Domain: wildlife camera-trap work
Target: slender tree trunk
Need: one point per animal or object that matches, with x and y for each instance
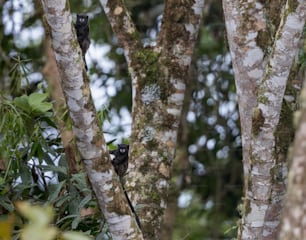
(293, 224)
(89, 137)
(52, 76)
(180, 173)
(263, 46)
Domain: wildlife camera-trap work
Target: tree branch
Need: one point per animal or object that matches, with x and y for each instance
(293, 224)
(262, 64)
(266, 117)
(159, 88)
(89, 137)
(123, 26)
(180, 26)
(248, 61)
(159, 80)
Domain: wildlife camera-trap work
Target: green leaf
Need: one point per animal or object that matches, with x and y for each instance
(36, 101)
(63, 200)
(55, 190)
(6, 203)
(22, 103)
(43, 107)
(37, 98)
(85, 201)
(76, 222)
(57, 169)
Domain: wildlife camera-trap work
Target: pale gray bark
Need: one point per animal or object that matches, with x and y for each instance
(159, 77)
(89, 137)
(261, 83)
(248, 62)
(293, 220)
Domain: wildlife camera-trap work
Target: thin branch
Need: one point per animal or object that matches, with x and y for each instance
(180, 27)
(248, 62)
(122, 25)
(277, 69)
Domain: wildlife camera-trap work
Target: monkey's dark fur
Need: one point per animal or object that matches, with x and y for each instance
(120, 162)
(82, 31)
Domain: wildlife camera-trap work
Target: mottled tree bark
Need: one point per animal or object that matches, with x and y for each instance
(293, 220)
(180, 173)
(159, 76)
(89, 137)
(248, 61)
(263, 44)
(52, 76)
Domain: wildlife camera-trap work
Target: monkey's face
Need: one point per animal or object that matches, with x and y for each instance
(82, 19)
(123, 148)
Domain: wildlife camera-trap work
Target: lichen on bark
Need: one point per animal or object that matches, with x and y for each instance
(261, 73)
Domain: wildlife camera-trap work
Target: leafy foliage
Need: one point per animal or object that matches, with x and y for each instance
(33, 167)
(38, 226)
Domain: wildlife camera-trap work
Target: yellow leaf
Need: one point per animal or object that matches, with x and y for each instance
(34, 232)
(39, 216)
(75, 236)
(6, 228)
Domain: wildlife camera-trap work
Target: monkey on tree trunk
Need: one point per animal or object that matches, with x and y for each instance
(82, 31)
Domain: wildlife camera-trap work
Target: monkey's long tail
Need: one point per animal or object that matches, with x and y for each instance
(85, 63)
(131, 206)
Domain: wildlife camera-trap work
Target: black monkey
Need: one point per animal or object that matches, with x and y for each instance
(82, 31)
(120, 162)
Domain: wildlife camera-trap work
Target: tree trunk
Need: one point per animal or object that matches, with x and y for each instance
(158, 77)
(52, 76)
(263, 46)
(293, 225)
(89, 137)
(180, 173)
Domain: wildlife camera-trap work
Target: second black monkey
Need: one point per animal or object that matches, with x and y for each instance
(120, 162)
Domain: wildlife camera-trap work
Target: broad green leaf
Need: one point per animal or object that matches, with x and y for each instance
(23, 103)
(36, 101)
(37, 98)
(42, 107)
